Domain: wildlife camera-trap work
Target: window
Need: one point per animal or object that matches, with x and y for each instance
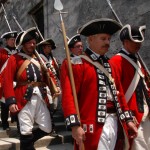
(38, 16)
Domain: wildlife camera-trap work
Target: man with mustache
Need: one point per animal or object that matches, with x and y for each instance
(29, 98)
(102, 108)
(132, 75)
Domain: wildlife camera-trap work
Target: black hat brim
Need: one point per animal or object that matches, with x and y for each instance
(11, 34)
(73, 40)
(27, 35)
(97, 26)
(47, 42)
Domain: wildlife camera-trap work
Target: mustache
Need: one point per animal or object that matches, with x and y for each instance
(106, 46)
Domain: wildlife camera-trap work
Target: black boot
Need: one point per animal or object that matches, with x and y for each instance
(4, 116)
(37, 134)
(53, 132)
(26, 142)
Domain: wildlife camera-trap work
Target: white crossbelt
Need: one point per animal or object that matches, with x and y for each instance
(135, 79)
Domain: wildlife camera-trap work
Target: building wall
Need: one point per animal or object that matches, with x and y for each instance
(135, 12)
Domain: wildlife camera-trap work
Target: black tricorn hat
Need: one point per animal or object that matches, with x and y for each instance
(47, 42)
(102, 25)
(11, 34)
(133, 33)
(26, 36)
(18, 38)
(76, 38)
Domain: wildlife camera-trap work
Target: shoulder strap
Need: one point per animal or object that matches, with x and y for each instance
(45, 59)
(26, 63)
(10, 52)
(22, 68)
(99, 66)
(133, 63)
(7, 50)
(132, 86)
(135, 79)
(4, 66)
(31, 60)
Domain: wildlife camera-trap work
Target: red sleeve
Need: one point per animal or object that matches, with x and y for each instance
(9, 75)
(3, 59)
(67, 97)
(68, 105)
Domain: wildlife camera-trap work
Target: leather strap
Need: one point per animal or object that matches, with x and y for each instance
(99, 66)
(33, 84)
(22, 68)
(31, 59)
(26, 63)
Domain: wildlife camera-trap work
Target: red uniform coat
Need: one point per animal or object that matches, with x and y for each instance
(3, 57)
(22, 93)
(125, 73)
(86, 83)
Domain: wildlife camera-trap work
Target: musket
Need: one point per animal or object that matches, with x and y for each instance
(58, 6)
(113, 11)
(5, 16)
(17, 22)
(51, 84)
(140, 58)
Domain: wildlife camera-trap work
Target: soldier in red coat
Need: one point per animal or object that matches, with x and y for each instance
(102, 108)
(45, 48)
(29, 98)
(131, 73)
(5, 53)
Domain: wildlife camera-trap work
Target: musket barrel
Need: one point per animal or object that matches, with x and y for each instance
(17, 23)
(5, 16)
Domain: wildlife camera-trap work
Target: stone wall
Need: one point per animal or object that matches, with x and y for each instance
(135, 12)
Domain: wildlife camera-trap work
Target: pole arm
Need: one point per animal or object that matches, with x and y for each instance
(70, 71)
(60, 29)
(69, 66)
(5, 16)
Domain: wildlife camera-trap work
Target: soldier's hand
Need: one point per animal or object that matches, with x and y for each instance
(132, 129)
(57, 93)
(135, 120)
(79, 135)
(13, 108)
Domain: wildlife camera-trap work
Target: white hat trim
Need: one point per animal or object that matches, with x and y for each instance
(141, 28)
(43, 41)
(11, 32)
(72, 38)
(25, 32)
